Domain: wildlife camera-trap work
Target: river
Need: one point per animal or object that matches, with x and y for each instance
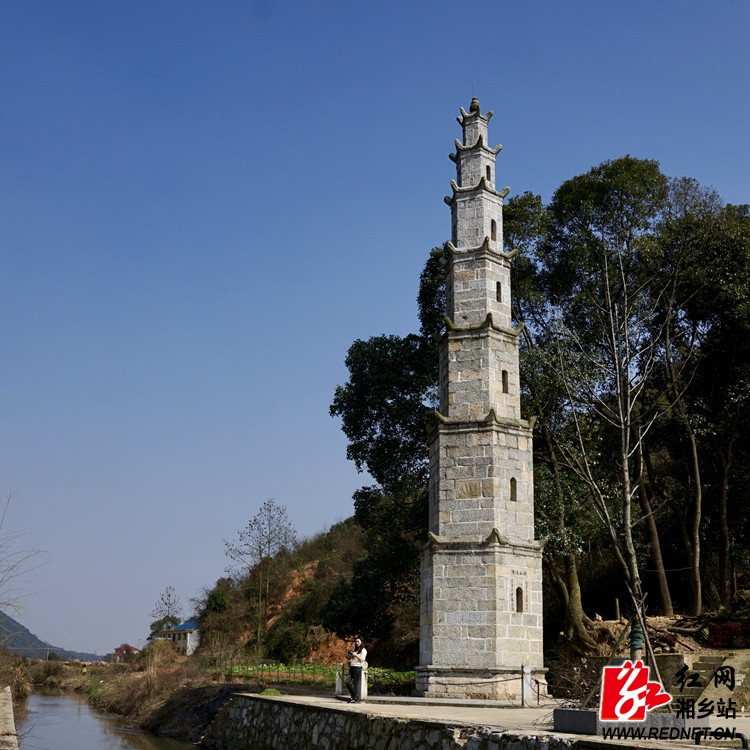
(56, 720)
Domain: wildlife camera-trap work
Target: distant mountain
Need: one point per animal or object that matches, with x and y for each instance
(19, 640)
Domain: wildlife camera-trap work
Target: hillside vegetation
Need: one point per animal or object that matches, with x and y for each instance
(304, 605)
(20, 641)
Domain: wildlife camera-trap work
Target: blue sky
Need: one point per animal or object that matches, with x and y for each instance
(203, 204)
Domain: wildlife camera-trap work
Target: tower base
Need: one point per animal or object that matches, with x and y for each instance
(484, 684)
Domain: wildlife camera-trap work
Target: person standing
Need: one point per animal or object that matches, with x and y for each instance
(357, 662)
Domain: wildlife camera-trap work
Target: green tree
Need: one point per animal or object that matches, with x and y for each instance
(386, 409)
(705, 248)
(721, 389)
(387, 403)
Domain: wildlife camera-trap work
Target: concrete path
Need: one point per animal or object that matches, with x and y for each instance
(533, 721)
(528, 720)
(8, 737)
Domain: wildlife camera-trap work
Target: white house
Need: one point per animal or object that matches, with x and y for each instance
(185, 637)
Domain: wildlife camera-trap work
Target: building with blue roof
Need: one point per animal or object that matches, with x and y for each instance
(185, 637)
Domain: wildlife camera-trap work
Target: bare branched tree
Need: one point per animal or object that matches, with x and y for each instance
(609, 317)
(269, 532)
(167, 612)
(14, 563)
(168, 604)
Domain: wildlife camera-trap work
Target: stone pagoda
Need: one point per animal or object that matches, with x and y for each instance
(481, 603)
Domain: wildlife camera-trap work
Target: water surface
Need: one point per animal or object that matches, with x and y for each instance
(56, 720)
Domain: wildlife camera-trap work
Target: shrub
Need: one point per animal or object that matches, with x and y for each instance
(155, 660)
(287, 641)
(217, 600)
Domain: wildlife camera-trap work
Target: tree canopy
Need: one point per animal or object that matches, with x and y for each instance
(634, 291)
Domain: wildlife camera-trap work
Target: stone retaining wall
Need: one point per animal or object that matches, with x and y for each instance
(8, 737)
(251, 722)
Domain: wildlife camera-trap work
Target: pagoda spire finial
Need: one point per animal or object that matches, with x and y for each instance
(473, 122)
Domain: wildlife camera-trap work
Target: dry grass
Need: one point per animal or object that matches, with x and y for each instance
(164, 693)
(133, 692)
(14, 671)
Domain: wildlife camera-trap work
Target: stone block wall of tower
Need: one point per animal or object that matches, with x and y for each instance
(476, 624)
(478, 288)
(481, 608)
(472, 491)
(479, 372)
(482, 474)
